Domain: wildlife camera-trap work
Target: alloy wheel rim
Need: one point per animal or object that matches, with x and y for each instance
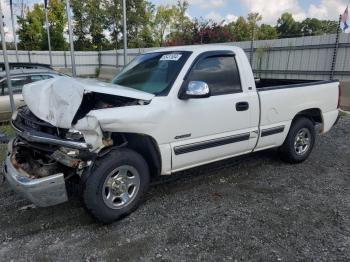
(302, 141)
(121, 187)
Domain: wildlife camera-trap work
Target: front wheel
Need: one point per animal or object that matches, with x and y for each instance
(116, 185)
(299, 142)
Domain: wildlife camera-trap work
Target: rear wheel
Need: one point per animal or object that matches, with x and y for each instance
(300, 141)
(116, 185)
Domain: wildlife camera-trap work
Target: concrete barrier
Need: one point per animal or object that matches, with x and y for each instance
(345, 98)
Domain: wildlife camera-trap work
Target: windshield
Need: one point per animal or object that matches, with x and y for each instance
(152, 73)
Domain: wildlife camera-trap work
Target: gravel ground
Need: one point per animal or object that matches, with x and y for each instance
(250, 208)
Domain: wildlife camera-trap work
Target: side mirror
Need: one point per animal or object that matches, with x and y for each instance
(196, 89)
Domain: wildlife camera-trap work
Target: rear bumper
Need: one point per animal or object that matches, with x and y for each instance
(42, 192)
(337, 121)
(330, 119)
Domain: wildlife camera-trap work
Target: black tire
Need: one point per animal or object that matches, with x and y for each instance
(94, 186)
(288, 150)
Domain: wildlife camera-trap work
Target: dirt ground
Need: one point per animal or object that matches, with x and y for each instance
(251, 208)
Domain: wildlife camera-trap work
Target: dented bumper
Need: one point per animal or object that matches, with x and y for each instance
(42, 192)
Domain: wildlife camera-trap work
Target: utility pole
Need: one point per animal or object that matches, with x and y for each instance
(125, 34)
(48, 31)
(6, 61)
(70, 29)
(14, 30)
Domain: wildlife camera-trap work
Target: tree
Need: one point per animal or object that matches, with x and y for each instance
(90, 24)
(329, 27)
(80, 29)
(57, 22)
(97, 23)
(32, 33)
(313, 26)
(114, 17)
(253, 19)
(139, 13)
(240, 29)
(139, 19)
(183, 26)
(266, 32)
(31, 28)
(162, 23)
(287, 27)
(211, 32)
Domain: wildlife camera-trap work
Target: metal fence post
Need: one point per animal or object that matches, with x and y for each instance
(335, 53)
(125, 33)
(99, 58)
(65, 59)
(117, 59)
(29, 58)
(14, 30)
(71, 39)
(48, 32)
(6, 61)
(252, 47)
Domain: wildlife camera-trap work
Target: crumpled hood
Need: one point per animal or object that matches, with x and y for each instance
(57, 100)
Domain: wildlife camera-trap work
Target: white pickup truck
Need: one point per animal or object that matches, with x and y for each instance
(167, 111)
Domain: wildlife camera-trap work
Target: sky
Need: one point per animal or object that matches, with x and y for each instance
(229, 10)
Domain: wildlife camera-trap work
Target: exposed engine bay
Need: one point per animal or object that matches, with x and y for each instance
(40, 159)
(96, 101)
(59, 136)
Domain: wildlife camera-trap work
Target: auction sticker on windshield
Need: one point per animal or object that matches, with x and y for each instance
(171, 57)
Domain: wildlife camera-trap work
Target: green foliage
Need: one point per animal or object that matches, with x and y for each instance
(287, 27)
(80, 30)
(32, 31)
(98, 26)
(139, 20)
(57, 22)
(313, 26)
(240, 29)
(266, 32)
(90, 24)
(163, 23)
(97, 72)
(113, 19)
(138, 15)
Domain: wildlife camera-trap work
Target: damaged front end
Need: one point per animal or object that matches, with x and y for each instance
(58, 140)
(43, 161)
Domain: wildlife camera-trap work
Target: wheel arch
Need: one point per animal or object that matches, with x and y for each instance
(148, 148)
(314, 114)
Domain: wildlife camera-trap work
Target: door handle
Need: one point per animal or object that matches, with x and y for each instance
(242, 106)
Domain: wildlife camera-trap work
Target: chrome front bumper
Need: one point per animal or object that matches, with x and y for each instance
(42, 192)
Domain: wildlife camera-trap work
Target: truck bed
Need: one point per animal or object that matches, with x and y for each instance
(273, 84)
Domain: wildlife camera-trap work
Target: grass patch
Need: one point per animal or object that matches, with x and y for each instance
(343, 114)
(7, 130)
(3, 148)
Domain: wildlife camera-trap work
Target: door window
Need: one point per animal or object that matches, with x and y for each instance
(220, 73)
(36, 78)
(17, 85)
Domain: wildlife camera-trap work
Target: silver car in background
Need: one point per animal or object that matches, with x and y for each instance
(21, 74)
